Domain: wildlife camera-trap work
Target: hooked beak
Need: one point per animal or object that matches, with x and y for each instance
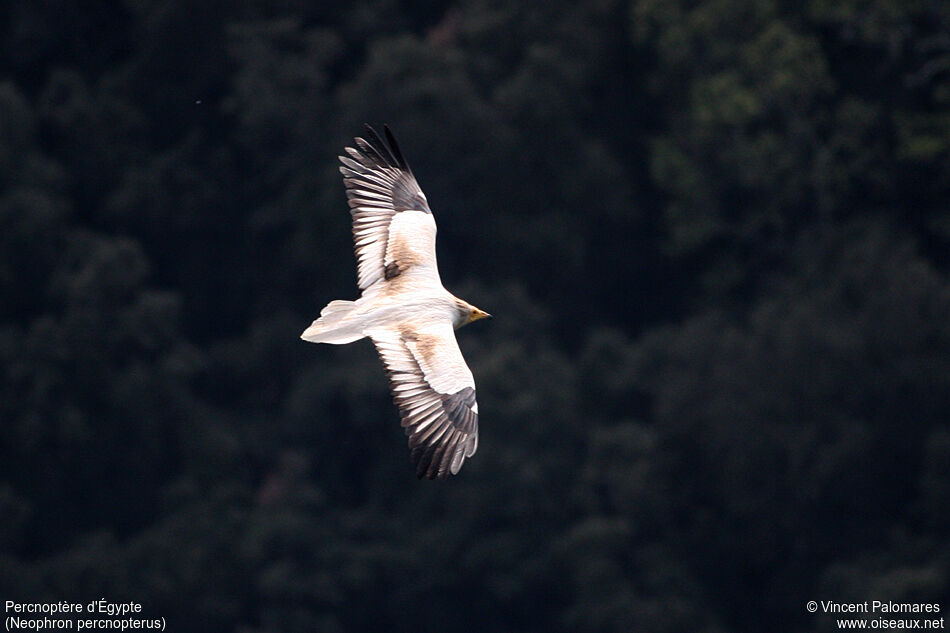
(478, 314)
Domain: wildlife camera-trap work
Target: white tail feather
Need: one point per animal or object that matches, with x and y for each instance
(334, 326)
(339, 305)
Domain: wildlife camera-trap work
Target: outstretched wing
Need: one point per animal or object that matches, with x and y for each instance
(393, 228)
(435, 393)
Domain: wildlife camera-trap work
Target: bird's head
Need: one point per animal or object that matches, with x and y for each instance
(466, 313)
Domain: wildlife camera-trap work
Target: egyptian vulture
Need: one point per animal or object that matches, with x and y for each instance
(404, 308)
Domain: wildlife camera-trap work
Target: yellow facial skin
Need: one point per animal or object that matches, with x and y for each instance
(476, 314)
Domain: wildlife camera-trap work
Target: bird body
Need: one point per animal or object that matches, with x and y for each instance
(344, 321)
(404, 308)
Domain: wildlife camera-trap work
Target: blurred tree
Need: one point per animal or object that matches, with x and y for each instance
(798, 434)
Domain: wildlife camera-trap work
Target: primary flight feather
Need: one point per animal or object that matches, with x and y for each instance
(410, 317)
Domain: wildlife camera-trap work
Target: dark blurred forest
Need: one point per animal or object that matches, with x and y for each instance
(715, 235)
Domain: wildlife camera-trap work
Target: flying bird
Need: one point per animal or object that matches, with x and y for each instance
(404, 308)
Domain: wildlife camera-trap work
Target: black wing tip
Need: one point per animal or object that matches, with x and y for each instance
(394, 147)
(387, 149)
(441, 458)
(427, 465)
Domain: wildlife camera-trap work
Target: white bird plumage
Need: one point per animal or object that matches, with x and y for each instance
(404, 307)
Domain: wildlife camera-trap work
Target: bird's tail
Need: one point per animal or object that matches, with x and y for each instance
(335, 325)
